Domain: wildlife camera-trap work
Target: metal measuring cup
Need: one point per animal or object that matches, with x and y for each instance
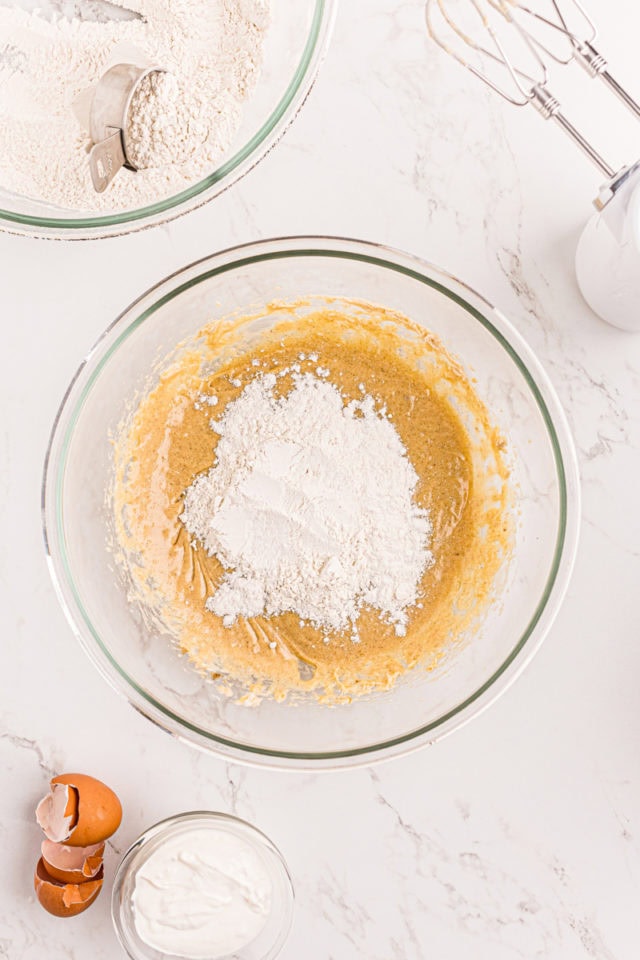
(108, 121)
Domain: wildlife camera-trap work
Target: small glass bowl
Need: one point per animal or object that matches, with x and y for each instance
(266, 945)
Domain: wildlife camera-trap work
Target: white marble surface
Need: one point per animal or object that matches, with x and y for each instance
(519, 836)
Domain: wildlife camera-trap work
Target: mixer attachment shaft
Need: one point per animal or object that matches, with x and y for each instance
(578, 40)
(510, 42)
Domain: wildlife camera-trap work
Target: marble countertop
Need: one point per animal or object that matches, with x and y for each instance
(517, 837)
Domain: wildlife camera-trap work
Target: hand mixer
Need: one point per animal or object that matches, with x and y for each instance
(511, 44)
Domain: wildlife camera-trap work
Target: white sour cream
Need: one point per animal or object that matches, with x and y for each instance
(201, 895)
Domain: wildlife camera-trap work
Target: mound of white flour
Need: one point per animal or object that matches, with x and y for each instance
(51, 60)
(310, 508)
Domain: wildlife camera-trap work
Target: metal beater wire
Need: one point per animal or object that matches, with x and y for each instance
(559, 26)
(500, 57)
(581, 45)
(536, 92)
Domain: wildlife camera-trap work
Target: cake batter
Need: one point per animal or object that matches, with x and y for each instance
(462, 484)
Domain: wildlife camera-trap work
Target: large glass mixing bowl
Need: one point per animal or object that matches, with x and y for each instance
(144, 665)
(295, 44)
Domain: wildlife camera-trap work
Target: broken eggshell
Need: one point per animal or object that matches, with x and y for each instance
(65, 899)
(57, 813)
(79, 811)
(72, 864)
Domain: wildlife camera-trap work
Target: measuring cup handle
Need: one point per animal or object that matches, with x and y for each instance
(105, 159)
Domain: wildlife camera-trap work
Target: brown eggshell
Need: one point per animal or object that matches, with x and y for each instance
(99, 810)
(72, 864)
(65, 899)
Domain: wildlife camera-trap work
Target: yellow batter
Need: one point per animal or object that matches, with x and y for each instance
(458, 456)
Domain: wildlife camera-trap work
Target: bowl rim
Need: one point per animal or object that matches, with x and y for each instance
(246, 157)
(377, 255)
(219, 820)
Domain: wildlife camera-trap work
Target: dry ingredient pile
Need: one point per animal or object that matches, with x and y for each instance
(166, 122)
(301, 506)
(181, 123)
(310, 507)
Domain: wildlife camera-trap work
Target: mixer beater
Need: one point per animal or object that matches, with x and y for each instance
(508, 45)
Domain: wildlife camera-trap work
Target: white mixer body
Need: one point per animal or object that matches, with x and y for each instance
(608, 258)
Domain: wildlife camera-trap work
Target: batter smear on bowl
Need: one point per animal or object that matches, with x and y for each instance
(319, 506)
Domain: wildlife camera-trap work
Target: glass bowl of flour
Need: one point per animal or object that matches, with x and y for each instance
(237, 72)
(139, 655)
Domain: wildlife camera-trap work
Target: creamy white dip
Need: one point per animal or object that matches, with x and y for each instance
(203, 894)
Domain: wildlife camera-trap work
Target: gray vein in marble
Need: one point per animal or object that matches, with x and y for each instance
(24, 743)
(352, 919)
(493, 902)
(590, 938)
(233, 785)
(621, 547)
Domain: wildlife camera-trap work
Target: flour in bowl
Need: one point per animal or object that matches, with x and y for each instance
(167, 122)
(51, 60)
(310, 508)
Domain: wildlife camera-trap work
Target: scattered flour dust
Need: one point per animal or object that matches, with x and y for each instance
(310, 508)
(52, 57)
